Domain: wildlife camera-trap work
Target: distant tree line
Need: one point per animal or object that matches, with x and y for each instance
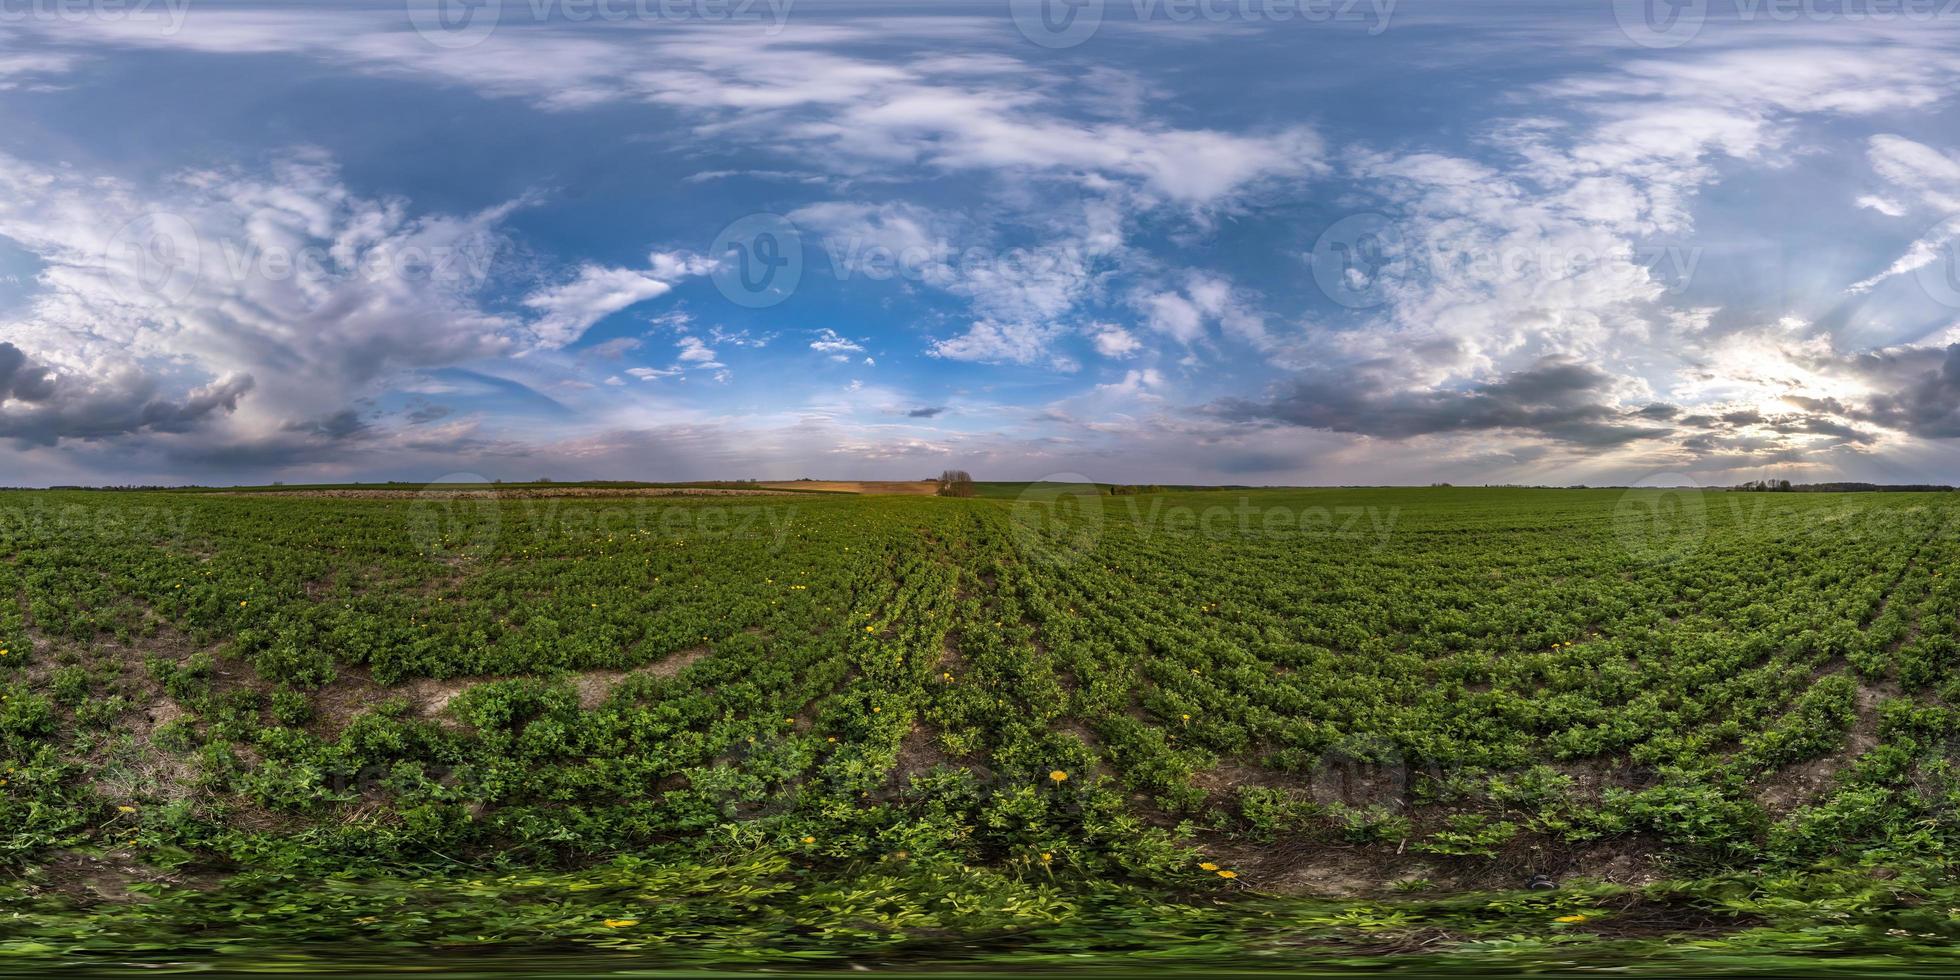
(956, 483)
(1785, 486)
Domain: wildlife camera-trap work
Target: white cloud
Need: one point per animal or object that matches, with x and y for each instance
(828, 342)
(1112, 341)
(597, 293)
(1173, 316)
(671, 266)
(1134, 383)
(285, 276)
(990, 342)
(1920, 254)
(697, 354)
(1918, 170)
(1929, 177)
(1883, 205)
(803, 89)
(32, 71)
(1205, 299)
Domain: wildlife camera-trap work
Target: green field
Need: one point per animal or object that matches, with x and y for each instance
(1261, 729)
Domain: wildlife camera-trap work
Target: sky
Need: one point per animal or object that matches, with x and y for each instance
(1172, 241)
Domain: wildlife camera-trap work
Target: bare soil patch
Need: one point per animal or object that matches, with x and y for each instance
(916, 488)
(1806, 782)
(595, 685)
(91, 878)
(512, 493)
(354, 690)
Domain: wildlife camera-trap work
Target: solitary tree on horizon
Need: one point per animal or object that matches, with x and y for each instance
(956, 483)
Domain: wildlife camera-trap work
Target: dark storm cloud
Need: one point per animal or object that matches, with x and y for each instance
(1919, 390)
(1822, 426)
(925, 413)
(39, 406)
(422, 413)
(22, 380)
(337, 439)
(1560, 399)
(344, 424)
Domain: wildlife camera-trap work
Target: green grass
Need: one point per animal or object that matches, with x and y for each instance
(1034, 721)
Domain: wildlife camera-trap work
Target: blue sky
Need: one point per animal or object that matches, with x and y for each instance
(1273, 242)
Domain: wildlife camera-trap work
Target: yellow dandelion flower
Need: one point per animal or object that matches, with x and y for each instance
(1228, 874)
(809, 840)
(1570, 918)
(125, 809)
(1208, 866)
(1058, 776)
(621, 923)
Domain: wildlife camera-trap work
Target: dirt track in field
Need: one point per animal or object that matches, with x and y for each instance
(511, 493)
(924, 488)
